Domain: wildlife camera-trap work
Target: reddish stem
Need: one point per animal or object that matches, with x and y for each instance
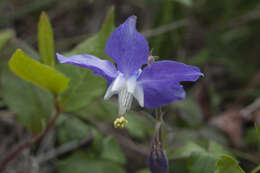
(33, 139)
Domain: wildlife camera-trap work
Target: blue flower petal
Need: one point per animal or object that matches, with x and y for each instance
(100, 67)
(127, 47)
(160, 82)
(170, 70)
(160, 93)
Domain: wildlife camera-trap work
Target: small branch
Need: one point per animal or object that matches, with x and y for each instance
(247, 111)
(158, 114)
(151, 118)
(63, 149)
(159, 118)
(165, 28)
(33, 139)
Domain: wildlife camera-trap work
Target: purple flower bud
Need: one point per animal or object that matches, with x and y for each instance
(157, 160)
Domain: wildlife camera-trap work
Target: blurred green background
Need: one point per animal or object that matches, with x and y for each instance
(220, 114)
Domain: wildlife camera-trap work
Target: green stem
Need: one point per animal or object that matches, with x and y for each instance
(159, 120)
(256, 169)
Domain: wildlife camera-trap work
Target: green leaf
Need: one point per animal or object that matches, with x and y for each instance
(5, 36)
(258, 132)
(71, 129)
(112, 151)
(217, 150)
(31, 105)
(202, 162)
(178, 166)
(46, 41)
(256, 169)
(84, 86)
(138, 126)
(81, 162)
(199, 159)
(251, 136)
(228, 164)
(101, 110)
(190, 112)
(97, 145)
(186, 151)
(37, 73)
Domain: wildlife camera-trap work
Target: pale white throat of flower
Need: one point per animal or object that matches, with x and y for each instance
(126, 88)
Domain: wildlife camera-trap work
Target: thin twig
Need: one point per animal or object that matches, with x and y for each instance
(33, 139)
(157, 129)
(247, 111)
(165, 28)
(63, 149)
(151, 118)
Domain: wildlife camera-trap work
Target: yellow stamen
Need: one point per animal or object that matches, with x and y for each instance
(120, 122)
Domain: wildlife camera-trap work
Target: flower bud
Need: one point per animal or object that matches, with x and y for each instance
(157, 160)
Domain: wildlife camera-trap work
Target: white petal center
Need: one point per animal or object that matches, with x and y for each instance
(125, 101)
(115, 87)
(126, 88)
(139, 94)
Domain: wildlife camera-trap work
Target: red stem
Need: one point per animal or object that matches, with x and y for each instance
(33, 139)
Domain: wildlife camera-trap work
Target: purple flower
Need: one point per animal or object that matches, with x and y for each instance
(157, 160)
(156, 85)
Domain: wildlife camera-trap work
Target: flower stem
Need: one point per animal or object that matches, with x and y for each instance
(159, 120)
(33, 139)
